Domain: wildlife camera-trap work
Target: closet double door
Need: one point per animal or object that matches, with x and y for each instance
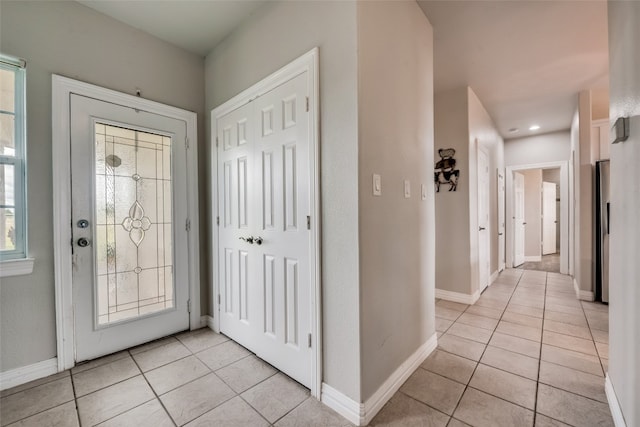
(264, 205)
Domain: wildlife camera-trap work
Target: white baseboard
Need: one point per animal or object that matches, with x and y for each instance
(493, 277)
(458, 296)
(374, 404)
(583, 295)
(535, 258)
(614, 404)
(24, 374)
(342, 404)
(206, 321)
(361, 414)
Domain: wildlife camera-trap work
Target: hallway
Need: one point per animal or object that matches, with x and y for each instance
(527, 352)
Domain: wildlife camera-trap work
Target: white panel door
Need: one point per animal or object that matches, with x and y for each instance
(274, 283)
(484, 243)
(549, 223)
(501, 225)
(518, 219)
(237, 193)
(129, 203)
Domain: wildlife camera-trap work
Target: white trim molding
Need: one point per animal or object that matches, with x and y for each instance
(24, 374)
(614, 403)
(361, 414)
(582, 295)
(16, 267)
(62, 88)
(206, 321)
(458, 296)
(307, 63)
(566, 206)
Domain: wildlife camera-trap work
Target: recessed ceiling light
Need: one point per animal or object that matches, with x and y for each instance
(534, 127)
(514, 130)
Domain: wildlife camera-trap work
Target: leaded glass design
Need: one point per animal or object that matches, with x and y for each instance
(134, 253)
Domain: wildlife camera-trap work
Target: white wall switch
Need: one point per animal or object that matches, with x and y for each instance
(424, 192)
(377, 185)
(407, 189)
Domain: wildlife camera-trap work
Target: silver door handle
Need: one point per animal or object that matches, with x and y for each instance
(524, 223)
(249, 239)
(258, 240)
(482, 228)
(499, 234)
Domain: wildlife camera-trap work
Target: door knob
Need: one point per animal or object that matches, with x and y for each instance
(83, 243)
(499, 234)
(482, 228)
(258, 240)
(249, 239)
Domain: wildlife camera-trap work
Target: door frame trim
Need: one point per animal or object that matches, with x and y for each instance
(565, 210)
(483, 150)
(62, 88)
(306, 63)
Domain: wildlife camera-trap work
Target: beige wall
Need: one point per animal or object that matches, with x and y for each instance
(72, 40)
(624, 323)
(272, 37)
(462, 123)
(532, 212)
(395, 124)
(453, 245)
(548, 147)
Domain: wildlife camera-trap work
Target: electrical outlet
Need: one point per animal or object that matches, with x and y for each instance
(377, 185)
(407, 189)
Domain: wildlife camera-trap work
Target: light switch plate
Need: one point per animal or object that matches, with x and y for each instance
(407, 189)
(377, 185)
(424, 192)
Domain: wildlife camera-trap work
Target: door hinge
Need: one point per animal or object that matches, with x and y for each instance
(216, 141)
(217, 220)
(218, 299)
(187, 225)
(189, 306)
(308, 222)
(186, 143)
(307, 104)
(309, 340)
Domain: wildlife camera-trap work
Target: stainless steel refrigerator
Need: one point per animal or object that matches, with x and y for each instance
(602, 230)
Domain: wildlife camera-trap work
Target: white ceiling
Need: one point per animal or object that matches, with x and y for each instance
(194, 25)
(526, 60)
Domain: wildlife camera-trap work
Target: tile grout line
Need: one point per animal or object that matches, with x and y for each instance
(594, 340)
(544, 305)
(483, 351)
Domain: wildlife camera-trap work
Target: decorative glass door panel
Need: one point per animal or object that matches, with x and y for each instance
(133, 247)
(129, 210)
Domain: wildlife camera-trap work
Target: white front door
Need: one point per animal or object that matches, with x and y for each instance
(129, 203)
(518, 219)
(501, 226)
(549, 224)
(484, 243)
(264, 203)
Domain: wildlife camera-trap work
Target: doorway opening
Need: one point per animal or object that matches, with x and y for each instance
(538, 217)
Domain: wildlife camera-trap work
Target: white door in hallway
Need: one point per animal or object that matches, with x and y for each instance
(549, 224)
(264, 201)
(130, 257)
(518, 219)
(501, 225)
(484, 242)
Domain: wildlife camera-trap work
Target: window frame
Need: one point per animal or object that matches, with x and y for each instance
(19, 159)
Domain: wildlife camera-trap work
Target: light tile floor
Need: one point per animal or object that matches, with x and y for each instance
(527, 353)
